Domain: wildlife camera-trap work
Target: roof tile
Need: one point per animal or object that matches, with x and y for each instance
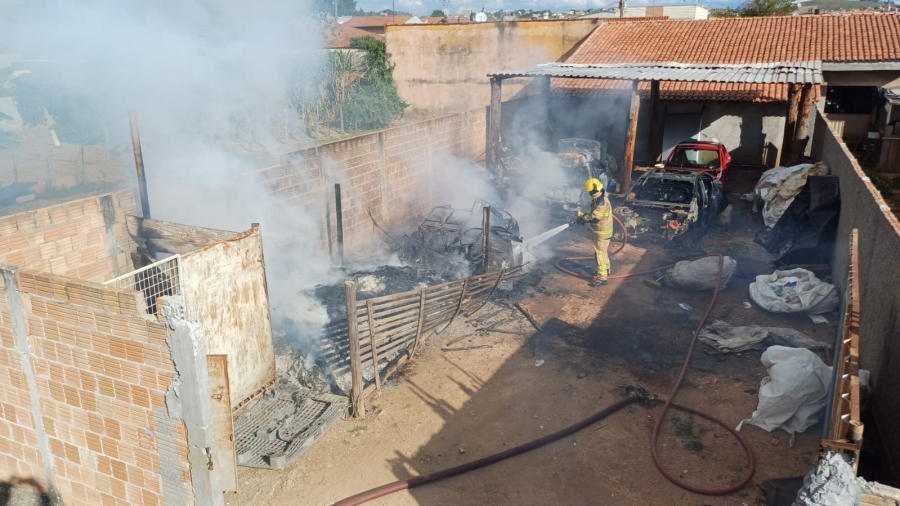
(854, 37)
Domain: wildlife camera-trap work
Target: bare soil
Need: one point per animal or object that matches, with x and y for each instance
(448, 408)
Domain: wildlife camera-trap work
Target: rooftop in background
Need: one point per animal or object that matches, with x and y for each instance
(844, 38)
(375, 21)
(848, 38)
(339, 36)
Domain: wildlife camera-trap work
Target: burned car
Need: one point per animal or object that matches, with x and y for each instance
(672, 205)
(579, 160)
(451, 239)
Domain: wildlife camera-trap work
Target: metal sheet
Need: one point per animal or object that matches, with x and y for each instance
(225, 460)
(807, 72)
(283, 425)
(225, 286)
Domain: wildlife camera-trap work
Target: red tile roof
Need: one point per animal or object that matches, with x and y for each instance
(373, 21)
(843, 38)
(339, 36)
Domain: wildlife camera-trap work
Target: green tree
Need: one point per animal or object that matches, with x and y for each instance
(752, 8)
(727, 12)
(437, 13)
(344, 7)
(373, 102)
(471, 16)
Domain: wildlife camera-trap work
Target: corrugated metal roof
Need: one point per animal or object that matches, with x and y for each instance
(808, 72)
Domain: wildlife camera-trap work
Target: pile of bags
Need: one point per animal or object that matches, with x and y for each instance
(777, 188)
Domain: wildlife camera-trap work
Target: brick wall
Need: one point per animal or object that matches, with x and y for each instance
(85, 378)
(84, 239)
(388, 173)
(863, 208)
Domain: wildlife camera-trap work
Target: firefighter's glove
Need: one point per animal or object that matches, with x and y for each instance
(580, 218)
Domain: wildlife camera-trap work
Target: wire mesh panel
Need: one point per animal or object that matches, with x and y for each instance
(156, 280)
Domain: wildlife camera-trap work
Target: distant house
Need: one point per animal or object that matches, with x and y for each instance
(336, 36)
(670, 11)
(376, 24)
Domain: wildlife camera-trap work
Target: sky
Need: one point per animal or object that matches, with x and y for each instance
(457, 6)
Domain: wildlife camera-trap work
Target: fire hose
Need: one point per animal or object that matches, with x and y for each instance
(667, 403)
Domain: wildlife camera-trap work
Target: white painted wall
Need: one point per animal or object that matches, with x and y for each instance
(225, 287)
(685, 12)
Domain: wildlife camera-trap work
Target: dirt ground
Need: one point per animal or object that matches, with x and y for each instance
(448, 408)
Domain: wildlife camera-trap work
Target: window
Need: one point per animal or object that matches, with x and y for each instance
(694, 158)
(850, 99)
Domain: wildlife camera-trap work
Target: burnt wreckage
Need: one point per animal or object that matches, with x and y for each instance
(451, 240)
(807, 230)
(672, 205)
(579, 160)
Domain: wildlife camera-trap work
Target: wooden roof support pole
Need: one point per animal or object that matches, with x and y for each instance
(790, 122)
(139, 164)
(655, 147)
(798, 147)
(493, 138)
(628, 161)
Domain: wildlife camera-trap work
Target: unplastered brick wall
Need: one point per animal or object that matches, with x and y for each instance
(388, 173)
(84, 238)
(84, 380)
(863, 208)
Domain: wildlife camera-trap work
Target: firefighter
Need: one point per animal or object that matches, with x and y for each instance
(600, 221)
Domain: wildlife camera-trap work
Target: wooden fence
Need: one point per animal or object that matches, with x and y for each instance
(845, 428)
(382, 327)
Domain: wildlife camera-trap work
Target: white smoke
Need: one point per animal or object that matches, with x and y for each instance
(209, 81)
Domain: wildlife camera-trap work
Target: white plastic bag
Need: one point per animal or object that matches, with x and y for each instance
(793, 396)
(794, 291)
(777, 188)
(700, 274)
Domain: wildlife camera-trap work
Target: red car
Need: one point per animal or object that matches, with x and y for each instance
(706, 156)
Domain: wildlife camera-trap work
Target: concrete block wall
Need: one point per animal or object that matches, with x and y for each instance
(863, 208)
(388, 173)
(35, 159)
(84, 239)
(83, 403)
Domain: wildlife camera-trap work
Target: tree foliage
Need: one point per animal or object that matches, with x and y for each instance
(437, 13)
(752, 8)
(373, 102)
(344, 7)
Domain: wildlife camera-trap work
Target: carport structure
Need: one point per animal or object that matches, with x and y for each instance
(801, 76)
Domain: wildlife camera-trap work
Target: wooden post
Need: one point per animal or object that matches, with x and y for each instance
(628, 162)
(806, 103)
(655, 148)
(339, 217)
(462, 296)
(421, 321)
(371, 316)
(357, 402)
(790, 122)
(494, 125)
(79, 180)
(545, 87)
(485, 239)
(49, 171)
(139, 164)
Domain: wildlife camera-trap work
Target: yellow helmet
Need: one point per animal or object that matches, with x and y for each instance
(593, 184)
